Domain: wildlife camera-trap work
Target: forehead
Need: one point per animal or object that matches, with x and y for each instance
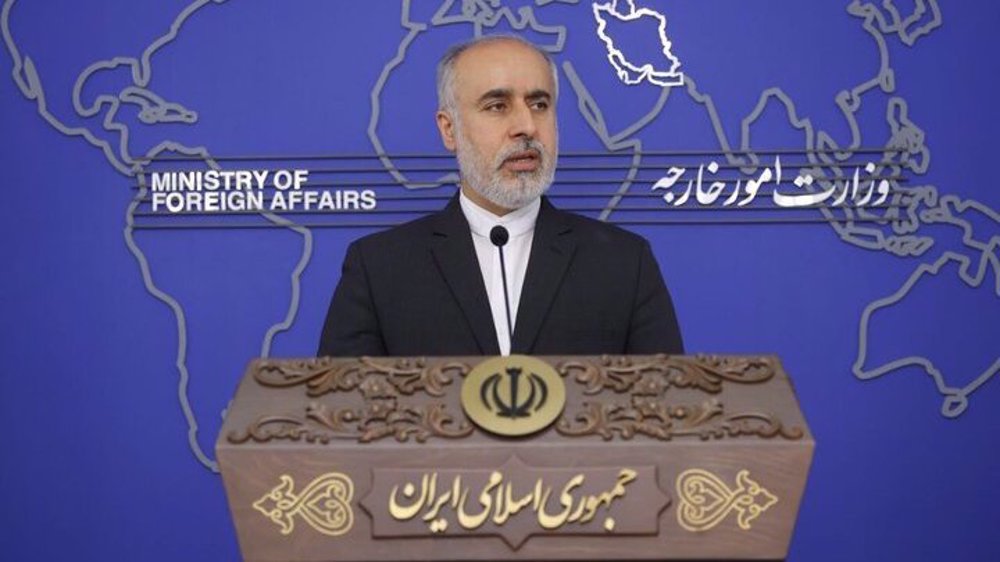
(505, 65)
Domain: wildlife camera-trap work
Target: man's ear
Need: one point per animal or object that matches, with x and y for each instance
(446, 126)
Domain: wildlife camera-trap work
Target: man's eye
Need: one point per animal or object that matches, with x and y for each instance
(496, 107)
(540, 105)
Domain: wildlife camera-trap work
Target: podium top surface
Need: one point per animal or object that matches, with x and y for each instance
(367, 401)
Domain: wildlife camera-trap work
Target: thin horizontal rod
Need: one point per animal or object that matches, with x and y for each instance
(568, 154)
(585, 168)
(735, 222)
(616, 209)
(567, 181)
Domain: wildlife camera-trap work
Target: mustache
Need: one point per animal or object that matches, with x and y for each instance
(528, 145)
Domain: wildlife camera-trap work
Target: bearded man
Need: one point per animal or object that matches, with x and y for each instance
(500, 270)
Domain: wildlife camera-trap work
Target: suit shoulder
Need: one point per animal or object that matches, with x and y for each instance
(601, 232)
(399, 236)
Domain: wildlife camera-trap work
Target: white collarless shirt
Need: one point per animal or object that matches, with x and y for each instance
(520, 225)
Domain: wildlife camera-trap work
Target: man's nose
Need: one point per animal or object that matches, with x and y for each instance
(522, 122)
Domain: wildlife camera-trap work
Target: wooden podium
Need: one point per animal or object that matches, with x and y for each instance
(515, 458)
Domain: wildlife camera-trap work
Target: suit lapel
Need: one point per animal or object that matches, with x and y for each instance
(551, 252)
(455, 256)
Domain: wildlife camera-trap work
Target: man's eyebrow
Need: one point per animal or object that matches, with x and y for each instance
(496, 93)
(538, 94)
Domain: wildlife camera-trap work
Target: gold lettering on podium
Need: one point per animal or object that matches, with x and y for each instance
(497, 501)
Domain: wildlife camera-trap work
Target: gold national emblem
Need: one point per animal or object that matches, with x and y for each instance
(514, 395)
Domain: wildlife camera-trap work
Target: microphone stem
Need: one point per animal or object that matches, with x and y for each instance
(506, 297)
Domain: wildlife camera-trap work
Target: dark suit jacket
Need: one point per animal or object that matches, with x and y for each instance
(416, 289)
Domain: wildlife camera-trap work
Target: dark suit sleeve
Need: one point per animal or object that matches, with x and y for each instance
(653, 328)
(351, 328)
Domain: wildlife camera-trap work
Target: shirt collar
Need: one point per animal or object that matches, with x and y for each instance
(517, 222)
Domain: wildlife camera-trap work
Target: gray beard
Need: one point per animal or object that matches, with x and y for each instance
(487, 180)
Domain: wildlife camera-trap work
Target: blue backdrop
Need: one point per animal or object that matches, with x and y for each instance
(124, 333)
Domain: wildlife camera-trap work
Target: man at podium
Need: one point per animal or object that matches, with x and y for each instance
(500, 270)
